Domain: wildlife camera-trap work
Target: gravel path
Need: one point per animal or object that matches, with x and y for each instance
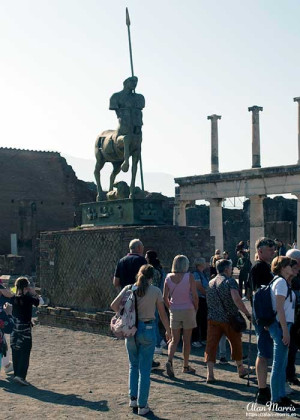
(78, 375)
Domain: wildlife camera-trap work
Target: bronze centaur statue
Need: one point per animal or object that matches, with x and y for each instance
(116, 146)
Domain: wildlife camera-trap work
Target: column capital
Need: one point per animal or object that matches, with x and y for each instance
(179, 202)
(297, 99)
(214, 117)
(215, 201)
(255, 108)
(257, 197)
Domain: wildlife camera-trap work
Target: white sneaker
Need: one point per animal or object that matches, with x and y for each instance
(158, 350)
(143, 410)
(9, 368)
(196, 344)
(133, 403)
(288, 389)
(20, 381)
(245, 299)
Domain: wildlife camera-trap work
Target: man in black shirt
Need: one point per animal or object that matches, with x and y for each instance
(261, 274)
(128, 266)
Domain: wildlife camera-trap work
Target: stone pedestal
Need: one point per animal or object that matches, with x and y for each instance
(257, 229)
(216, 222)
(77, 265)
(123, 212)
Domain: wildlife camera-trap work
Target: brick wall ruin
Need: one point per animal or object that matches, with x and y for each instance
(39, 192)
(77, 266)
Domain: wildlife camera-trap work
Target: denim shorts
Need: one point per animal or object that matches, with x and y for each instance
(264, 342)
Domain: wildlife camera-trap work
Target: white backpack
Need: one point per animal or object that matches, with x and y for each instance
(124, 323)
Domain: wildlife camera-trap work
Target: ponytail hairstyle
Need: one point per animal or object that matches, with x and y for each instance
(20, 284)
(151, 257)
(143, 277)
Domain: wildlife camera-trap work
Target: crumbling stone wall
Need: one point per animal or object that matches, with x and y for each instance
(39, 192)
(12, 264)
(77, 266)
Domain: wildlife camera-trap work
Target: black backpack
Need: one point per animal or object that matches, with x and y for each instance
(263, 312)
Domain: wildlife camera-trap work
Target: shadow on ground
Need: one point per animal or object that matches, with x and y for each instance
(53, 397)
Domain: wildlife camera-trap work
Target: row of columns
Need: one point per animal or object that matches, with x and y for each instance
(256, 201)
(257, 229)
(255, 137)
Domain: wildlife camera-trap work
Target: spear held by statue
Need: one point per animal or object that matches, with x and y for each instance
(132, 74)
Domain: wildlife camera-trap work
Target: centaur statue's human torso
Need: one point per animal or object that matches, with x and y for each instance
(116, 146)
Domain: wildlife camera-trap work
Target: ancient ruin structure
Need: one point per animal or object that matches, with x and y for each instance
(39, 192)
(255, 183)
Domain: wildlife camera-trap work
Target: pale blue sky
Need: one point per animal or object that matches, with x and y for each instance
(61, 60)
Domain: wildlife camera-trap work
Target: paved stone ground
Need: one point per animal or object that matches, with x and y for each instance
(78, 375)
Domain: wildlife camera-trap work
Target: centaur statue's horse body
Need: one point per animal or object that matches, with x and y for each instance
(116, 146)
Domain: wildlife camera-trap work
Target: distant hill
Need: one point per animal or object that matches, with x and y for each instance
(153, 181)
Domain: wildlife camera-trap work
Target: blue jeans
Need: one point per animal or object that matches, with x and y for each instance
(264, 341)
(280, 357)
(140, 349)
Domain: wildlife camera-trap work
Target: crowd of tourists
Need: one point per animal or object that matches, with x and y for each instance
(204, 307)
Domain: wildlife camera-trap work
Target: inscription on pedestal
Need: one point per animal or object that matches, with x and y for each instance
(123, 212)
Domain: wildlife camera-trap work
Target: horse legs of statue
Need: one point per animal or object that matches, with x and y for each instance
(135, 160)
(99, 165)
(116, 170)
(125, 165)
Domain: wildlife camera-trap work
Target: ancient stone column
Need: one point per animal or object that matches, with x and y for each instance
(214, 142)
(298, 100)
(257, 225)
(298, 219)
(179, 215)
(255, 135)
(216, 222)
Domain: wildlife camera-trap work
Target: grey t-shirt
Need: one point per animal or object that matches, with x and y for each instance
(218, 291)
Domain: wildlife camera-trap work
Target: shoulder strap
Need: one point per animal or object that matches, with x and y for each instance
(171, 294)
(135, 305)
(289, 292)
(176, 284)
(272, 281)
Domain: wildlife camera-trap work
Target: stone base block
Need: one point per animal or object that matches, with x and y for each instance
(97, 323)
